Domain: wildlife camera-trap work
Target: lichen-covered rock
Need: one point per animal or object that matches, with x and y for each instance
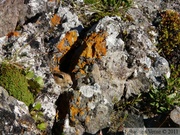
(14, 116)
(72, 21)
(93, 47)
(38, 6)
(93, 111)
(114, 60)
(126, 66)
(67, 42)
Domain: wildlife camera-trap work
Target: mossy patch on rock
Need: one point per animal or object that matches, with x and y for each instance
(12, 79)
(169, 36)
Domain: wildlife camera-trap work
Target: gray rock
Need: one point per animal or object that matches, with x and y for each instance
(89, 91)
(11, 13)
(129, 67)
(72, 21)
(94, 112)
(29, 50)
(175, 115)
(39, 6)
(14, 116)
(161, 67)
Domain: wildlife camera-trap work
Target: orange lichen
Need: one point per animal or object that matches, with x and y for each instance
(74, 112)
(95, 45)
(14, 33)
(78, 101)
(55, 20)
(87, 119)
(81, 113)
(66, 43)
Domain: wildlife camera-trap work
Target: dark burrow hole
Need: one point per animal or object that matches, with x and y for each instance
(33, 19)
(62, 110)
(67, 64)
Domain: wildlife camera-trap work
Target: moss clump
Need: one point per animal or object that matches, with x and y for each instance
(12, 79)
(169, 35)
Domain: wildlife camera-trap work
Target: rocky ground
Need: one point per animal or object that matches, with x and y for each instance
(86, 77)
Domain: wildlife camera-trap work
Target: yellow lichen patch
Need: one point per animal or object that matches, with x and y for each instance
(95, 45)
(82, 113)
(66, 43)
(14, 33)
(55, 20)
(82, 71)
(87, 119)
(74, 111)
(78, 101)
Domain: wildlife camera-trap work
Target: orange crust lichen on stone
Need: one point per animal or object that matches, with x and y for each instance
(67, 42)
(55, 20)
(96, 45)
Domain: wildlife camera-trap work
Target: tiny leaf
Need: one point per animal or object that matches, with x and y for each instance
(30, 75)
(42, 126)
(37, 106)
(40, 81)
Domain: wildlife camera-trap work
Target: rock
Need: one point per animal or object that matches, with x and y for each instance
(115, 59)
(161, 66)
(125, 67)
(89, 91)
(31, 52)
(39, 6)
(93, 112)
(175, 115)
(14, 116)
(72, 21)
(12, 12)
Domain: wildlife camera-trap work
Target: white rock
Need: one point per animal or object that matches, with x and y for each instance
(89, 91)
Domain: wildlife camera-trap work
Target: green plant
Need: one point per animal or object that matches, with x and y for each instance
(21, 83)
(175, 71)
(36, 83)
(168, 25)
(119, 115)
(97, 9)
(157, 100)
(38, 117)
(162, 100)
(15, 82)
(90, 1)
(103, 8)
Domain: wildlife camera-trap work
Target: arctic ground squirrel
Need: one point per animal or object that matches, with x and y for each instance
(62, 79)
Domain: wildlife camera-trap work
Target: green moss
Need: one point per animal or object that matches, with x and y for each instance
(12, 79)
(169, 36)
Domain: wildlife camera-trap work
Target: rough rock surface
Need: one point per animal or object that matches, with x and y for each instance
(14, 116)
(174, 115)
(113, 60)
(12, 12)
